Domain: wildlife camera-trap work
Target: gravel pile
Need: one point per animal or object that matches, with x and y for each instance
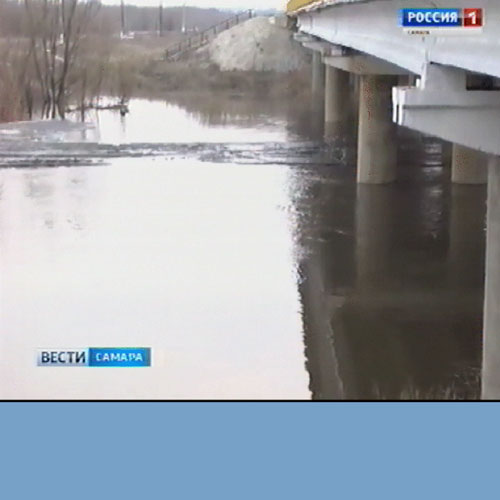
(257, 45)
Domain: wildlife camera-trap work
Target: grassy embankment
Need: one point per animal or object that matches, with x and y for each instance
(144, 72)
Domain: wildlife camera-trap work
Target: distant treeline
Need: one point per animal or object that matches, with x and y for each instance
(108, 19)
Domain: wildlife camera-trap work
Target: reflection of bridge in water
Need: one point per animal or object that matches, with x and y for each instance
(443, 86)
(392, 299)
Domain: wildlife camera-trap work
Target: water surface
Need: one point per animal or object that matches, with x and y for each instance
(230, 238)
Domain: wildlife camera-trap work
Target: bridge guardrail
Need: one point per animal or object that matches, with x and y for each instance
(295, 5)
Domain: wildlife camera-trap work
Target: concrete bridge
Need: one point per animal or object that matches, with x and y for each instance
(442, 85)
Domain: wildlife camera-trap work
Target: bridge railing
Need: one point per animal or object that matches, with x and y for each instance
(199, 39)
(295, 5)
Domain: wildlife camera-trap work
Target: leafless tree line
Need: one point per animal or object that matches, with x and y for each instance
(56, 31)
(59, 53)
(52, 60)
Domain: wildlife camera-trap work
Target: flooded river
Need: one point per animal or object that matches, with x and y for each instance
(231, 239)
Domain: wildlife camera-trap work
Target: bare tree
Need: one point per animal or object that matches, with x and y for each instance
(56, 30)
(11, 106)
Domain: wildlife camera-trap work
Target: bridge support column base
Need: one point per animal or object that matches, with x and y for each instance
(446, 153)
(468, 166)
(337, 98)
(377, 146)
(491, 343)
(318, 78)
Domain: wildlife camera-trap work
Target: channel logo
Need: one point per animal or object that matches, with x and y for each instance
(96, 357)
(442, 21)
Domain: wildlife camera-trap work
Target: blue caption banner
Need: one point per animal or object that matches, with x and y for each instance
(431, 18)
(119, 357)
(96, 357)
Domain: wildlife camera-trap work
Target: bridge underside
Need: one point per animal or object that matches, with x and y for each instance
(365, 38)
(451, 91)
(372, 27)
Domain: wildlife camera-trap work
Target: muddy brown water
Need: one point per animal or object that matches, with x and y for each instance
(231, 239)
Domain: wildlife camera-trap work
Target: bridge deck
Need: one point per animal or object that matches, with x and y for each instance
(295, 6)
(373, 27)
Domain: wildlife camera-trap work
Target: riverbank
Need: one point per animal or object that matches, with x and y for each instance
(256, 58)
(190, 77)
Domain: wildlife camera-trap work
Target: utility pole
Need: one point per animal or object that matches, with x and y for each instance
(184, 18)
(122, 13)
(160, 19)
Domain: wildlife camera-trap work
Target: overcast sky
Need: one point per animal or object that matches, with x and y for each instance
(231, 4)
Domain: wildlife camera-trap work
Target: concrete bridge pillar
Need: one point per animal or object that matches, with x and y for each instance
(491, 343)
(318, 76)
(446, 153)
(354, 85)
(468, 166)
(337, 99)
(377, 146)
